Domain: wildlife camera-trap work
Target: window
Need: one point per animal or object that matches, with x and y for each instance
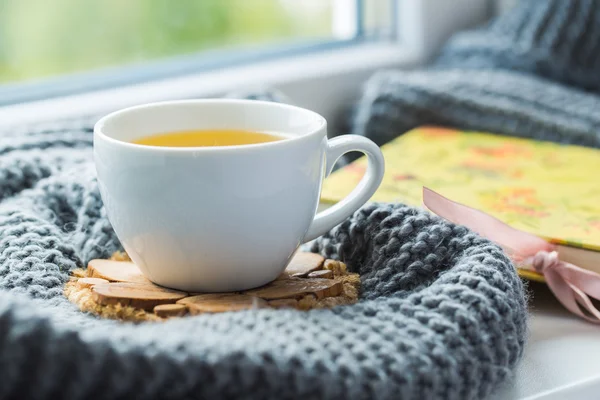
(51, 48)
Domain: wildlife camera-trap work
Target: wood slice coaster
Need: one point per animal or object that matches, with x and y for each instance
(324, 273)
(89, 282)
(297, 288)
(117, 289)
(170, 310)
(138, 295)
(303, 264)
(221, 302)
(116, 271)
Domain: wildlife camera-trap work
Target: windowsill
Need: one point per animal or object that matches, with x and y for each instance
(322, 81)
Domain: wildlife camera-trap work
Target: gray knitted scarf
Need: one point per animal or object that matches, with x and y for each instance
(442, 313)
(509, 77)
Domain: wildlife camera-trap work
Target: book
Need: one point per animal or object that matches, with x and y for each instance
(548, 189)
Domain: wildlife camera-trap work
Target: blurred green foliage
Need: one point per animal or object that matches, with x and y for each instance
(40, 38)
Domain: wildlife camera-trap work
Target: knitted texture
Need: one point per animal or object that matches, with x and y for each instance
(555, 39)
(501, 102)
(508, 77)
(442, 313)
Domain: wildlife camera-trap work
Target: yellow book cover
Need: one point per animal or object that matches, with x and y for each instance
(547, 189)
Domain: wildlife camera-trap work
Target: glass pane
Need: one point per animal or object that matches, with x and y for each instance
(45, 38)
(378, 17)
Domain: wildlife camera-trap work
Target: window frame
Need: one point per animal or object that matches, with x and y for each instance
(324, 79)
(186, 64)
(204, 62)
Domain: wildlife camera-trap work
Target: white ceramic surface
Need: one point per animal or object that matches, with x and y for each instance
(212, 219)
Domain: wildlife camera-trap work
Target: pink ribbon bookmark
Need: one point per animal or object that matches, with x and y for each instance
(570, 284)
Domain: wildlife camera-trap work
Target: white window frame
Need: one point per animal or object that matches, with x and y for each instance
(323, 81)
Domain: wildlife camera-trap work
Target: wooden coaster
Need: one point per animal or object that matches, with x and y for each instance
(221, 302)
(297, 288)
(324, 273)
(138, 295)
(303, 264)
(89, 282)
(170, 310)
(117, 289)
(116, 271)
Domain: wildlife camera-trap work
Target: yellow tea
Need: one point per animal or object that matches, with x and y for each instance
(207, 138)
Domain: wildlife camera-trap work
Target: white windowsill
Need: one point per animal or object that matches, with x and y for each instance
(323, 82)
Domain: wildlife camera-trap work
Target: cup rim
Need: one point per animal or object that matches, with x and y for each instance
(98, 126)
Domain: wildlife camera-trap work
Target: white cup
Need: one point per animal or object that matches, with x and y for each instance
(213, 219)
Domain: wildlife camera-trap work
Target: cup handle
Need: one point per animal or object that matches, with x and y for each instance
(336, 147)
